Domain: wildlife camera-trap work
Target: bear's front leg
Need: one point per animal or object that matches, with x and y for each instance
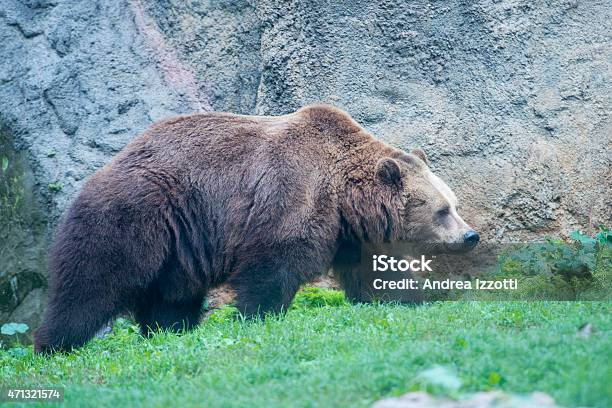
(347, 269)
(268, 281)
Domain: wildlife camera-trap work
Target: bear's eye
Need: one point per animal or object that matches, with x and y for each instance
(443, 212)
(413, 201)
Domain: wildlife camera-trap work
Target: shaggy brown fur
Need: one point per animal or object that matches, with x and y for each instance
(262, 203)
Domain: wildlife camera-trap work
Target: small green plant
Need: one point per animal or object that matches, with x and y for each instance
(575, 258)
(438, 380)
(312, 297)
(224, 314)
(563, 269)
(11, 329)
(56, 187)
(11, 192)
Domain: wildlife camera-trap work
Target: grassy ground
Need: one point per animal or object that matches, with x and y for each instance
(337, 355)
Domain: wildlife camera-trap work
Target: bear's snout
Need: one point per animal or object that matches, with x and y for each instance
(471, 238)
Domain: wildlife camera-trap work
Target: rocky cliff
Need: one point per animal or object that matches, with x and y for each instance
(511, 99)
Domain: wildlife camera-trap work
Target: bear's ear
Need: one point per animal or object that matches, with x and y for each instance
(418, 152)
(388, 171)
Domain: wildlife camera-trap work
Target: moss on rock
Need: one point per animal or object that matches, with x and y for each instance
(23, 232)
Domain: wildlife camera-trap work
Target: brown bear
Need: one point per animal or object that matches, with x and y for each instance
(263, 204)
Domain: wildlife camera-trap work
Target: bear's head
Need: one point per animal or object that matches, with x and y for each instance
(396, 198)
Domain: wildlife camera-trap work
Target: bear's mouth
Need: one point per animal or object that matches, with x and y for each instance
(459, 248)
(433, 248)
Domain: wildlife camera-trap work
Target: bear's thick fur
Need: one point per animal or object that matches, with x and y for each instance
(261, 203)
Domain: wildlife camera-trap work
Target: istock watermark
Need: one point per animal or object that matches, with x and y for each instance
(406, 272)
(382, 263)
(423, 264)
(445, 284)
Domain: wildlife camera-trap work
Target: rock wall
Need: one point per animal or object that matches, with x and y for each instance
(78, 80)
(511, 99)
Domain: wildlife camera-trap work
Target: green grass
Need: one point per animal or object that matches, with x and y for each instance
(324, 352)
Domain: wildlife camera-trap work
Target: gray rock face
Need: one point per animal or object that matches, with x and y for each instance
(510, 99)
(78, 80)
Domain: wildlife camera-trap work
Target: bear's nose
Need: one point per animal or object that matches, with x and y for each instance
(471, 238)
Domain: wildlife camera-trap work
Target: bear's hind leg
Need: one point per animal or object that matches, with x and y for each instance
(71, 319)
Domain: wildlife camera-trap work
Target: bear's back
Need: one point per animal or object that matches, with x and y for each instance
(222, 141)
